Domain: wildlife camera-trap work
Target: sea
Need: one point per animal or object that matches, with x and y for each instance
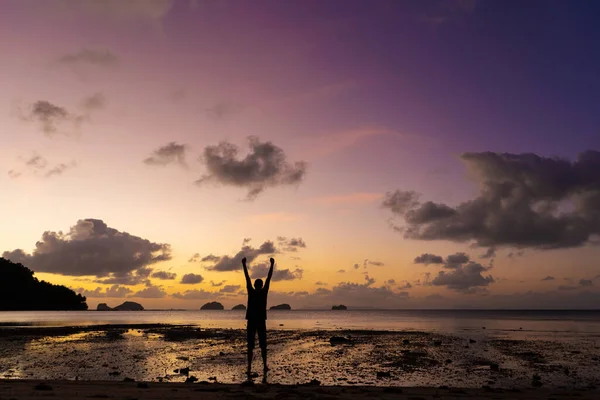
(519, 324)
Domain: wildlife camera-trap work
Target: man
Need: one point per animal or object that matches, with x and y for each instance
(256, 314)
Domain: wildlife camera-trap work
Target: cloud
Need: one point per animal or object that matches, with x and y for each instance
(151, 292)
(292, 244)
(341, 271)
(374, 263)
(261, 271)
(525, 201)
(194, 258)
(97, 101)
(191, 279)
(38, 166)
(196, 294)
(319, 283)
(96, 57)
(217, 284)
(465, 275)
(490, 253)
(147, 12)
(230, 289)
(114, 291)
(349, 199)
(91, 248)
(234, 263)
(406, 285)
(54, 119)
(427, 259)
(548, 278)
(164, 275)
(455, 260)
(585, 282)
(59, 169)
(356, 266)
(50, 117)
(224, 110)
(265, 166)
(171, 153)
(210, 258)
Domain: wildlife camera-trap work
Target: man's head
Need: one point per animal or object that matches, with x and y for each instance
(258, 284)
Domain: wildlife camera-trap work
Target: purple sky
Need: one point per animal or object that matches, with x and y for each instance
(114, 112)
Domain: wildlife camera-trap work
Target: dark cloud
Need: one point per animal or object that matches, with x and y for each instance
(194, 258)
(490, 253)
(465, 275)
(151, 292)
(405, 285)
(234, 263)
(164, 275)
(548, 278)
(114, 291)
(455, 260)
(265, 166)
(368, 262)
(292, 244)
(585, 282)
(319, 283)
(217, 284)
(171, 153)
(89, 248)
(103, 58)
(521, 203)
(191, 279)
(261, 271)
(196, 294)
(246, 241)
(210, 258)
(427, 259)
(391, 281)
(356, 266)
(37, 162)
(341, 271)
(229, 289)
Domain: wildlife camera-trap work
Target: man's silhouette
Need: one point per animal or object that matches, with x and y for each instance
(256, 314)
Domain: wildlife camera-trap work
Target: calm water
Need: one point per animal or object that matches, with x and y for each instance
(527, 323)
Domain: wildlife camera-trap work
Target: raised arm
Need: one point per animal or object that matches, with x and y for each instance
(248, 281)
(270, 275)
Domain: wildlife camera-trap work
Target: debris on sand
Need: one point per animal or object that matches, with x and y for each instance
(334, 340)
(191, 379)
(42, 386)
(383, 374)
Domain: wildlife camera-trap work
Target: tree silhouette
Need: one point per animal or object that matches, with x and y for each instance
(20, 290)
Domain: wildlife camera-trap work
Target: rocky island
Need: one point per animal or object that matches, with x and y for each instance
(127, 306)
(20, 290)
(239, 307)
(340, 307)
(281, 307)
(213, 305)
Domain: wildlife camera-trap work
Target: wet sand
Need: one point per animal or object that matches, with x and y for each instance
(28, 389)
(174, 354)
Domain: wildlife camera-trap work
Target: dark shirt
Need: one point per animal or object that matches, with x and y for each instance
(257, 304)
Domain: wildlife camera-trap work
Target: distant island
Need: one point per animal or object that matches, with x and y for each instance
(127, 306)
(213, 305)
(21, 291)
(281, 307)
(340, 307)
(239, 307)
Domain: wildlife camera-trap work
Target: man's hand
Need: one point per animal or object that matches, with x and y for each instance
(244, 261)
(272, 261)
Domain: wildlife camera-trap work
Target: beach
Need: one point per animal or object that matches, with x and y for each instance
(350, 358)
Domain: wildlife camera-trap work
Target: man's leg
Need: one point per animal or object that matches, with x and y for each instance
(250, 334)
(262, 340)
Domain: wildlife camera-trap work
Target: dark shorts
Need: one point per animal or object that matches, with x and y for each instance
(252, 329)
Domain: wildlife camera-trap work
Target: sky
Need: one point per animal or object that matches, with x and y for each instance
(387, 154)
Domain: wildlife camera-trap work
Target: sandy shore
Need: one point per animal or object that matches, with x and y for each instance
(32, 389)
